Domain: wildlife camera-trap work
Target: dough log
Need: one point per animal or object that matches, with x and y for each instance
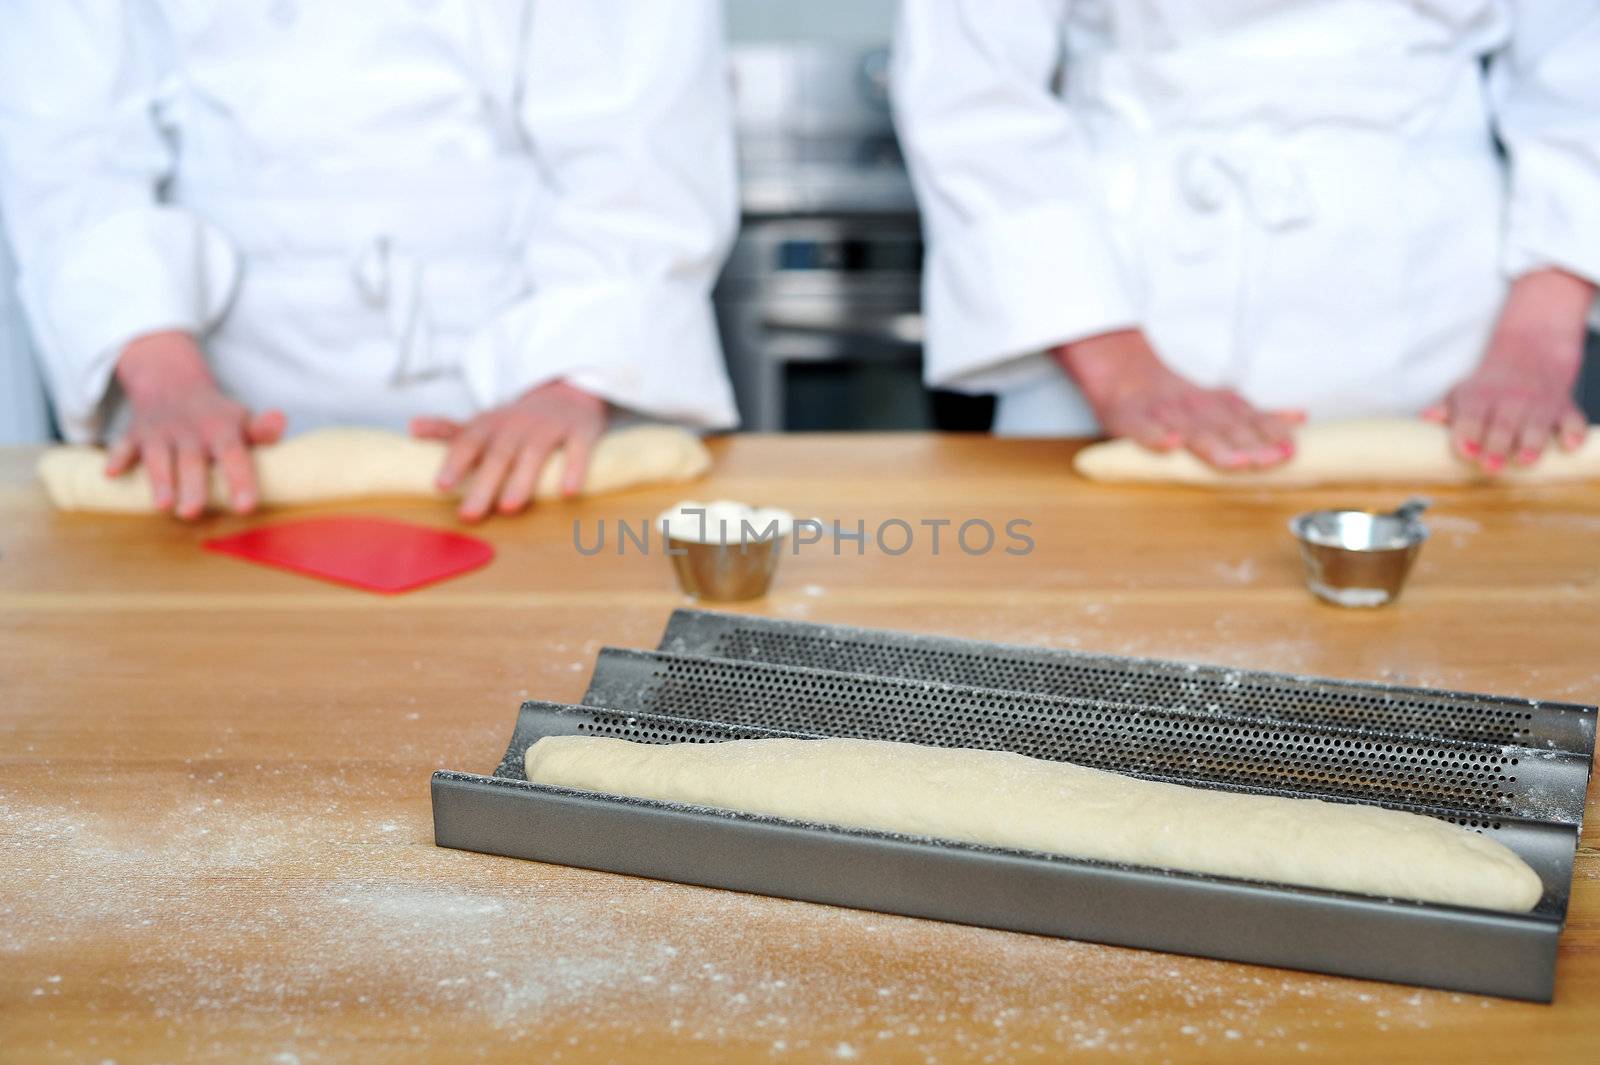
(1009, 800)
(1370, 451)
(332, 464)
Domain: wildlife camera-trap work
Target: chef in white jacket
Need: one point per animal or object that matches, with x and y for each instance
(489, 220)
(1193, 222)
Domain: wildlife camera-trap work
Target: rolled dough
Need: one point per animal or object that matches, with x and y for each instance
(345, 463)
(1009, 800)
(1368, 451)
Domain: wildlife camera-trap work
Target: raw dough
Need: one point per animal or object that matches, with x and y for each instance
(343, 463)
(1009, 800)
(1371, 451)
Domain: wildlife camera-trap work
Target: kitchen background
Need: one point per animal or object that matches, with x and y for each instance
(818, 304)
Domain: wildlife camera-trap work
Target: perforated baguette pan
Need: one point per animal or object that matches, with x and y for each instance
(1216, 689)
(1529, 798)
(1512, 955)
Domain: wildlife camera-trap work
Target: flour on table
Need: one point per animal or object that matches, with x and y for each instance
(515, 953)
(1241, 572)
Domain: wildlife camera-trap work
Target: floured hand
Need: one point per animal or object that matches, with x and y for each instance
(505, 448)
(183, 423)
(1135, 396)
(1519, 399)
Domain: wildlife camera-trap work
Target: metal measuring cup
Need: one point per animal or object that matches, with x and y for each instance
(722, 569)
(1360, 558)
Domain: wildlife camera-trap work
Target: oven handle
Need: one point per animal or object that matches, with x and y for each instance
(902, 328)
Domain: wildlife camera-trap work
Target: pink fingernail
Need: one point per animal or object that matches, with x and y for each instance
(1527, 456)
(1470, 448)
(1494, 463)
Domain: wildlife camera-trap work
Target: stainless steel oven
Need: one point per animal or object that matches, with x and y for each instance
(819, 304)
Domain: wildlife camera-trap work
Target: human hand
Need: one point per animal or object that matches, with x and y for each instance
(1520, 396)
(182, 422)
(509, 445)
(1136, 396)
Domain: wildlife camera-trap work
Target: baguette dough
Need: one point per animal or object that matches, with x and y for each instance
(1369, 451)
(332, 464)
(1009, 800)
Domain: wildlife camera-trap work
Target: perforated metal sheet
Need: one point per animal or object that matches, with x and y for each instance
(1216, 690)
(1483, 781)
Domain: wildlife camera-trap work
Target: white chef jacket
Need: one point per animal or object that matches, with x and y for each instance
(1301, 200)
(24, 417)
(373, 209)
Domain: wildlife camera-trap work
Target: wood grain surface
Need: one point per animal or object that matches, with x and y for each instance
(215, 838)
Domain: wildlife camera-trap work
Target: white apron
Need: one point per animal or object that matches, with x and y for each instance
(358, 294)
(1327, 258)
(1299, 200)
(370, 210)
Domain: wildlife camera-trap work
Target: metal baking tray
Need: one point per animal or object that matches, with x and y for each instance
(1528, 797)
(1512, 955)
(1221, 690)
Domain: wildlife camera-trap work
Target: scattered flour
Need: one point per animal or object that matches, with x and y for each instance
(257, 923)
(1242, 572)
(1452, 523)
(1560, 520)
(244, 903)
(1457, 529)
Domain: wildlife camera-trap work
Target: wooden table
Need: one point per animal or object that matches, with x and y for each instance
(215, 839)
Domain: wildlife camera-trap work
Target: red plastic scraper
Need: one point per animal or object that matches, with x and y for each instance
(372, 553)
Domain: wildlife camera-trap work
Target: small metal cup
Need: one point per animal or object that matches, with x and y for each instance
(1358, 558)
(725, 572)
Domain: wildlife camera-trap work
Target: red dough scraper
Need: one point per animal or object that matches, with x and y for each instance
(375, 554)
